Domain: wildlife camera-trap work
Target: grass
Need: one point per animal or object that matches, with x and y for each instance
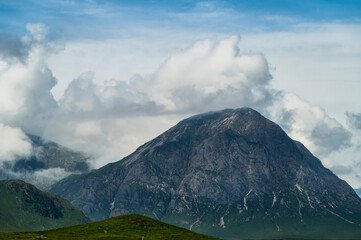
(127, 227)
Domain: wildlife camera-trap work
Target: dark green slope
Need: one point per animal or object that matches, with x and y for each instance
(24, 208)
(124, 227)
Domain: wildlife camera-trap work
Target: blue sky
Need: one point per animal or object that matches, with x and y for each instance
(104, 19)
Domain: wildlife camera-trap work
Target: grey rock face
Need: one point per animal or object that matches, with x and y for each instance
(218, 173)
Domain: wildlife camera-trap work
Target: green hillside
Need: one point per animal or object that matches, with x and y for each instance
(25, 208)
(122, 227)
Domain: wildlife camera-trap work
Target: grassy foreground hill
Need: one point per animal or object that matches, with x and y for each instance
(23, 207)
(127, 227)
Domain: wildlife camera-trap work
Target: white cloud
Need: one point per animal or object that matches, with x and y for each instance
(13, 144)
(310, 125)
(211, 75)
(42, 178)
(118, 58)
(45, 177)
(25, 98)
(109, 139)
(318, 62)
(111, 119)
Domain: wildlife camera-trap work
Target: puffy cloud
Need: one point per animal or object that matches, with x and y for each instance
(210, 76)
(85, 99)
(44, 178)
(111, 119)
(109, 139)
(354, 120)
(108, 119)
(25, 97)
(26, 103)
(13, 144)
(13, 48)
(207, 76)
(310, 125)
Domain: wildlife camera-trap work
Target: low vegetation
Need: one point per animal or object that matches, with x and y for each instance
(123, 227)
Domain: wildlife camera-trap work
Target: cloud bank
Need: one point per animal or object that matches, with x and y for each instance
(110, 119)
(13, 144)
(25, 98)
(26, 103)
(210, 75)
(25, 83)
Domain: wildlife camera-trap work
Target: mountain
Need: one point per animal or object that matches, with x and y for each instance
(45, 155)
(231, 174)
(48, 154)
(24, 208)
(127, 227)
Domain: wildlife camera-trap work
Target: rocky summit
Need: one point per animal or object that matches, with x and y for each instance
(232, 174)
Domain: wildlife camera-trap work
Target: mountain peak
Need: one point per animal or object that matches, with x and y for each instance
(222, 173)
(225, 117)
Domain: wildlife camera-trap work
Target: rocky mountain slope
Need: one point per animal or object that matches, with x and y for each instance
(231, 174)
(45, 155)
(23, 208)
(48, 154)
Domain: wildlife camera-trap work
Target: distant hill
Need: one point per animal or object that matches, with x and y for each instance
(45, 155)
(48, 154)
(126, 227)
(232, 174)
(24, 208)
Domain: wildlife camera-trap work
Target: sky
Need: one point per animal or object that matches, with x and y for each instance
(103, 77)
